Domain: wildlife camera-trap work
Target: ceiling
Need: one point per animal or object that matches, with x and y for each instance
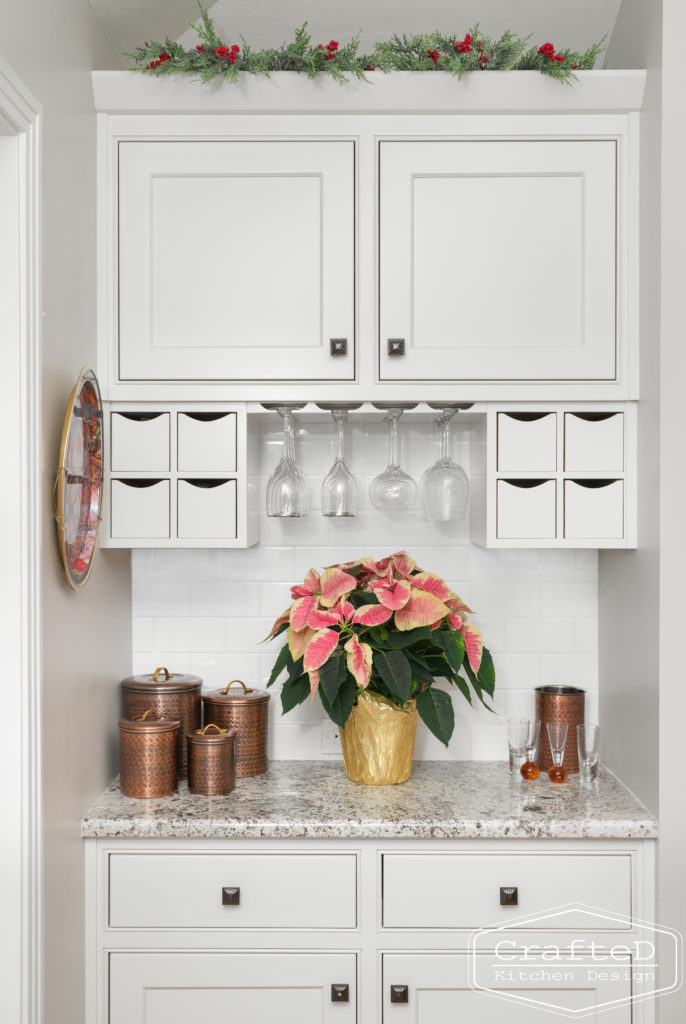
(569, 23)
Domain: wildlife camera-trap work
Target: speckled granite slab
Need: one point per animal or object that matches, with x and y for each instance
(442, 800)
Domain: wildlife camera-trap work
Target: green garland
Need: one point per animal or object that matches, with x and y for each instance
(212, 58)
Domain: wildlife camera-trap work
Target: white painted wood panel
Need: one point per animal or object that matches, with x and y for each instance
(594, 508)
(281, 891)
(594, 442)
(527, 442)
(461, 891)
(206, 509)
(139, 509)
(206, 442)
(140, 442)
(236, 259)
(526, 509)
(498, 259)
(253, 988)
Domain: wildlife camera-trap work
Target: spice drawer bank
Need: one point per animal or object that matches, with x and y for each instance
(305, 898)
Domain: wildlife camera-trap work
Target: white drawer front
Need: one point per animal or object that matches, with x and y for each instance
(594, 509)
(206, 509)
(463, 890)
(206, 442)
(140, 509)
(527, 442)
(594, 442)
(527, 509)
(283, 891)
(140, 442)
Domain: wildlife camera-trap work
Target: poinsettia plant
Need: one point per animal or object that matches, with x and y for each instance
(384, 626)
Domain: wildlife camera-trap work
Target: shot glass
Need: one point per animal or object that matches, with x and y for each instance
(517, 736)
(587, 737)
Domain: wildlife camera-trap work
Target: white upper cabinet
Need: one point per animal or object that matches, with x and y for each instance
(498, 260)
(236, 260)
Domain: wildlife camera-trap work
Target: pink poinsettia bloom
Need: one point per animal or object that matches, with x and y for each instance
(474, 646)
(359, 660)
(324, 641)
(400, 564)
(391, 593)
(335, 583)
(310, 585)
(422, 609)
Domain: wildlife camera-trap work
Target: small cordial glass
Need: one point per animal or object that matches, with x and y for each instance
(557, 735)
(530, 770)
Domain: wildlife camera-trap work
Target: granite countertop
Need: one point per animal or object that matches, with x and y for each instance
(442, 800)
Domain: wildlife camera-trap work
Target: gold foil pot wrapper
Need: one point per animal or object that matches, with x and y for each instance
(378, 740)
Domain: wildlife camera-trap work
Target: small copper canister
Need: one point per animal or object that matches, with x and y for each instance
(559, 704)
(247, 713)
(211, 767)
(149, 755)
(171, 695)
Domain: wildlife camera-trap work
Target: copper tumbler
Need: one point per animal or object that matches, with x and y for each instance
(559, 704)
(149, 755)
(211, 761)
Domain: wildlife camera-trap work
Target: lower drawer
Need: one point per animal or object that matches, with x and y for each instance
(284, 891)
(463, 890)
(206, 509)
(139, 509)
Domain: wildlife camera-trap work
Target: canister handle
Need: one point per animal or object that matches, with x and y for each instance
(145, 714)
(210, 725)
(246, 689)
(156, 674)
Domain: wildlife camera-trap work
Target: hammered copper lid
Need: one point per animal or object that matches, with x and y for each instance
(558, 690)
(147, 724)
(202, 736)
(162, 681)
(237, 697)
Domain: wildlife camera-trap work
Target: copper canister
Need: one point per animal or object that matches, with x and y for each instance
(211, 753)
(247, 713)
(559, 704)
(149, 755)
(171, 695)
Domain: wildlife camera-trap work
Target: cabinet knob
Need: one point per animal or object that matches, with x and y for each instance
(396, 347)
(400, 993)
(509, 896)
(231, 896)
(340, 993)
(338, 346)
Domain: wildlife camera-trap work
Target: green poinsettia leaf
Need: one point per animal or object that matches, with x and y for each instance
(436, 711)
(279, 665)
(394, 669)
(452, 646)
(402, 640)
(332, 676)
(339, 709)
(294, 692)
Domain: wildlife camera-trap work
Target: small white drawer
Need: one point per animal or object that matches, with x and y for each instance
(206, 442)
(206, 509)
(594, 442)
(463, 890)
(139, 509)
(526, 509)
(527, 442)
(594, 509)
(140, 442)
(284, 890)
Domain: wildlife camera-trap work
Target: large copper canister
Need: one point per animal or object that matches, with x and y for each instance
(211, 760)
(171, 695)
(559, 704)
(246, 712)
(149, 755)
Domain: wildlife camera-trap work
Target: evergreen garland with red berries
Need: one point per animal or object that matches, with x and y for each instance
(212, 58)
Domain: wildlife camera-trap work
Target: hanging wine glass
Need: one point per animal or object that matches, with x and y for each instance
(393, 490)
(445, 485)
(339, 490)
(287, 491)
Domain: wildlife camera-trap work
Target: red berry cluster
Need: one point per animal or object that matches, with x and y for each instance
(330, 49)
(464, 45)
(223, 52)
(160, 60)
(434, 54)
(483, 59)
(200, 49)
(548, 51)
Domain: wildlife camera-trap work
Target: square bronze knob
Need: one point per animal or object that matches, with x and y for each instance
(340, 993)
(231, 896)
(400, 993)
(509, 896)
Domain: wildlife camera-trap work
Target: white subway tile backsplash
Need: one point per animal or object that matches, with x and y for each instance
(206, 611)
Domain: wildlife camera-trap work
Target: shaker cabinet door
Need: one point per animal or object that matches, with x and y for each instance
(236, 260)
(498, 260)
(253, 988)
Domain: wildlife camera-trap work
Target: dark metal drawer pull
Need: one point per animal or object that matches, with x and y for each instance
(396, 346)
(231, 896)
(338, 346)
(509, 896)
(340, 993)
(400, 993)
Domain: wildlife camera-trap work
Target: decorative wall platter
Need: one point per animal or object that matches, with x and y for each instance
(78, 487)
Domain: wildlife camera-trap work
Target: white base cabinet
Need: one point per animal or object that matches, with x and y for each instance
(367, 931)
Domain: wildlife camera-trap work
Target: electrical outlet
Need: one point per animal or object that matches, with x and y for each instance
(331, 741)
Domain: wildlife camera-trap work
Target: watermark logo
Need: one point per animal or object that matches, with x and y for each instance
(598, 961)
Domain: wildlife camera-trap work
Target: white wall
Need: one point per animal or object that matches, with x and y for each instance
(207, 611)
(87, 641)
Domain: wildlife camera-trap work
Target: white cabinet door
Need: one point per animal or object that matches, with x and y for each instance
(498, 260)
(236, 260)
(253, 988)
(439, 990)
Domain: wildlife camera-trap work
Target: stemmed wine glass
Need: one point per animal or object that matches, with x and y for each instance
(445, 485)
(393, 490)
(339, 490)
(287, 490)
